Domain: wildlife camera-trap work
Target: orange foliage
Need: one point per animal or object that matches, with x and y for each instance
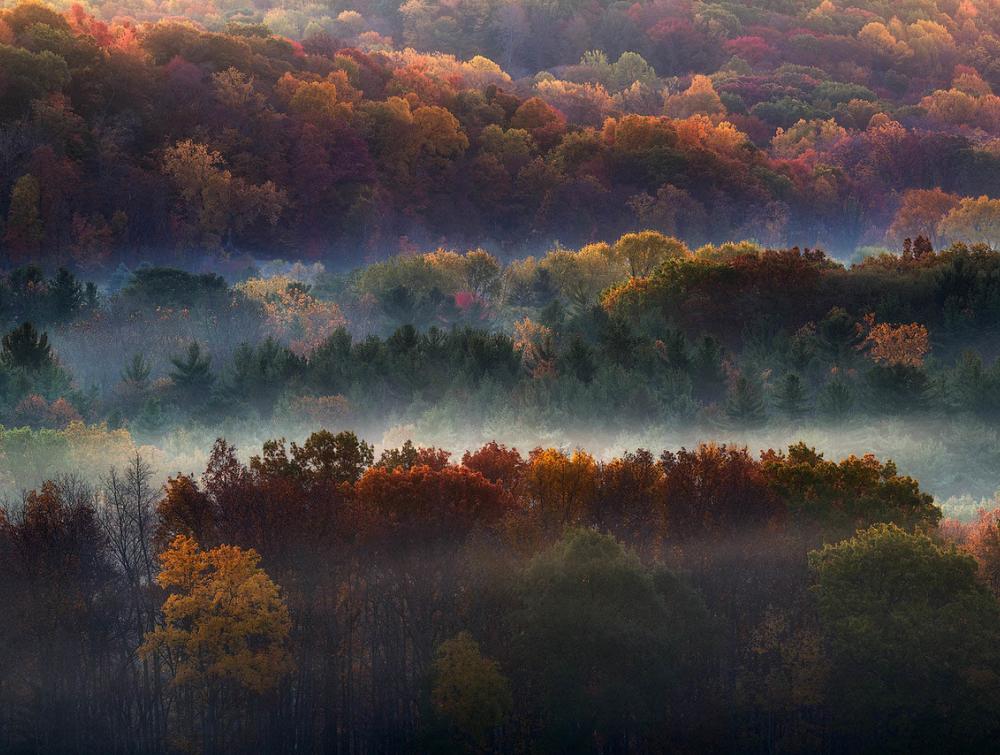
(905, 345)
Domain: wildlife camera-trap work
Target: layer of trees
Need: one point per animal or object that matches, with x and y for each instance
(128, 140)
(318, 599)
(643, 330)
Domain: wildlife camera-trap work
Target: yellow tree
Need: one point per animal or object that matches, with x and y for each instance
(582, 276)
(819, 135)
(224, 633)
(919, 214)
(561, 489)
(975, 220)
(643, 251)
(214, 203)
(700, 97)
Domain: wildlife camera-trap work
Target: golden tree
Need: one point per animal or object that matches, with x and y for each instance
(224, 620)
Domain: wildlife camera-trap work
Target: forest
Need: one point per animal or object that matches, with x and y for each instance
(499, 376)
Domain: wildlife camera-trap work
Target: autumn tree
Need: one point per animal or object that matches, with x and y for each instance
(903, 345)
(469, 691)
(225, 629)
(920, 213)
(644, 251)
(983, 543)
(699, 97)
(974, 220)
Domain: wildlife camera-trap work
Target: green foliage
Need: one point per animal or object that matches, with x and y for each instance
(610, 648)
(192, 373)
(912, 637)
(26, 348)
(469, 691)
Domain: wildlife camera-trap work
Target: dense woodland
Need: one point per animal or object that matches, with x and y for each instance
(318, 600)
(347, 134)
(607, 346)
(333, 337)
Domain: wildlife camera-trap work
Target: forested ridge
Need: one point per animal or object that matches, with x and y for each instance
(349, 134)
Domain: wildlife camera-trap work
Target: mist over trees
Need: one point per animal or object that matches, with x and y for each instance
(499, 377)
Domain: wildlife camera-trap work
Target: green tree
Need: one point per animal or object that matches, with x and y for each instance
(839, 337)
(25, 231)
(745, 403)
(914, 644)
(608, 648)
(790, 396)
(26, 348)
(836, 400)
(66, 295)
(137, 370)
(340, 458)
(578, 360)
(192, 372)
(469, 691)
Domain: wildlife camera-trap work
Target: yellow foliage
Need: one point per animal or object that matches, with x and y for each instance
(224, 621)
(642, 252)
(561, 488)
(975, 220)
(294, 316)
(700, 97)
(535, 343)
(727, 251)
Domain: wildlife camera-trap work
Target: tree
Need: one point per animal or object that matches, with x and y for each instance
(214, 203)
(839, 498)
(983, 542)
(496, 463)
(607, 649)
(578, 360)
(26, 348)
(839, 335)
(807, 136)
(469, 691)
(225, 630)
(192, 372)
(745, 402)
(920, 212)
(912, 639)
(836, 399)
(642, 252)
(714, 492)
(25, 229)
(790, 396)
(137, 371)
(900, 345)
(975, 220)
(324, 457)
(66, 294)
(561, 488)
(545, 124)
(699, 97)
(59, 588)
